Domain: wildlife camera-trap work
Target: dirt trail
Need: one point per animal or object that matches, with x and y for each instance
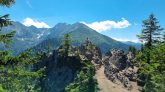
(106, 85)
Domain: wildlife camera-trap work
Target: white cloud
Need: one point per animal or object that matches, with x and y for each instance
(30, 21)
(125, 40)
(108, 25)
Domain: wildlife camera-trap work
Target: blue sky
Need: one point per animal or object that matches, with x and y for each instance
(123, 17)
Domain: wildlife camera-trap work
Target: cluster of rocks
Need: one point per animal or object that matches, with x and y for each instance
(88, 51)
(119, 69)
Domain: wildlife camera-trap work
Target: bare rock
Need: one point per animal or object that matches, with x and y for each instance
(119, 68)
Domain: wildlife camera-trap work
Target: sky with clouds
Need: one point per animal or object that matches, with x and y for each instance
(119, 19)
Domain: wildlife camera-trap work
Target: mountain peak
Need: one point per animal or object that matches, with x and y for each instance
(33, 27)
(79, 24)
(62, 24)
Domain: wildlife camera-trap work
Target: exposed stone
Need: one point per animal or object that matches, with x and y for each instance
(119, 68)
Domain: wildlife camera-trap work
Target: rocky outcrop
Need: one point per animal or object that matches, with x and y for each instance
(61, 70)
(88, 51)
(119, 68)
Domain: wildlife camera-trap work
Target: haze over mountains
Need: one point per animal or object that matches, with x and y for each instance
(38, 38)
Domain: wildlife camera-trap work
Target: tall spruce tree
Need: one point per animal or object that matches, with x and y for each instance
(151, 31)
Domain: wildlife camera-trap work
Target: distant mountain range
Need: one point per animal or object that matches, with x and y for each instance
(136, 45)
(39, 38)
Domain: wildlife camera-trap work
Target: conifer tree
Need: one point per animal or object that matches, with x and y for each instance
(65, 47)
(151, 31)
(66, 43)
(132, 49)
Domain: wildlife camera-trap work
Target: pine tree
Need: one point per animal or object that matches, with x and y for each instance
(65, 47)
(66, 43)
(151, 31)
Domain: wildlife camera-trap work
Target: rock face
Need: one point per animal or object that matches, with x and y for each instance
(56, 76)
(119, 68)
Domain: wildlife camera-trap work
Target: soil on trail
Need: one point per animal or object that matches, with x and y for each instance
(106, 85)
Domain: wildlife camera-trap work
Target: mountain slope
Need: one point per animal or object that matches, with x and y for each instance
(25, 37)
(79, 33)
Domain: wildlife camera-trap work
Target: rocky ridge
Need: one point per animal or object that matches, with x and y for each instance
(117, 66)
